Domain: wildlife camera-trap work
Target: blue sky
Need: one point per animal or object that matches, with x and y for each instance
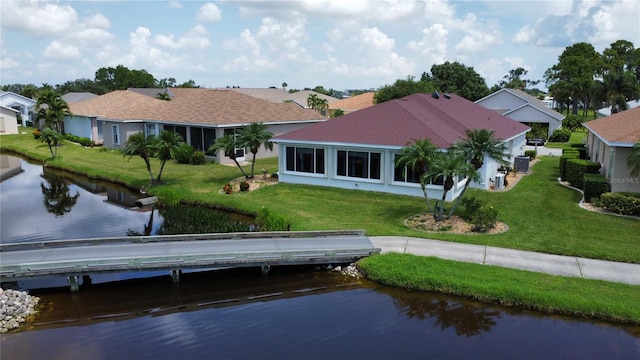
(345, 44)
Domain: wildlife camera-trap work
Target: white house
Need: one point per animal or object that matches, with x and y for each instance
(358, 150)
(24, 105)
(522, 107)
(8, 120)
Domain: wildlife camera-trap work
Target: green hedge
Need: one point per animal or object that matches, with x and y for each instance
(563, 164)
(560, 135)
(621, 203)
(576, 168)
(531, 154)
(594, 185)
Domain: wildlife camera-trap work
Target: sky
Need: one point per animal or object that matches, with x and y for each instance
(338, 44)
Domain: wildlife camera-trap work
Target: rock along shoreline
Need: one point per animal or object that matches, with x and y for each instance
(15, 307)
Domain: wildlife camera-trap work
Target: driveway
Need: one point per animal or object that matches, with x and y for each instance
(544, 150)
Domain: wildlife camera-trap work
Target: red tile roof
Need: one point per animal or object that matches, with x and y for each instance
(621, 127)
(418, 116)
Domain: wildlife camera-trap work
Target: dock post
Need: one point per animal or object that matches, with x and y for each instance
(265, 269)
(73, 283)
(175, 275)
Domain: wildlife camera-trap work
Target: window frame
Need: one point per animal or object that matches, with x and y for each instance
(348, 165)
(313, 162)
(115, 134)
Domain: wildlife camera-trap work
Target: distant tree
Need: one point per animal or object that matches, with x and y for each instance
(53, 139)
(188, 84)
(52, 108)
(166, 83)
(30, 91)
(121, 78)
(633, 161)
(167, 146)
(402, 88)
(227, 143)
(81, 85)
(163, 95)
(336, 113)
(454, 77)
(252, 137)
(284, 86)
(312, 101)
(140, 145)
(515, 79)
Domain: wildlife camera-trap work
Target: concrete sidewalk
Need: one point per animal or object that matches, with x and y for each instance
(509, 258)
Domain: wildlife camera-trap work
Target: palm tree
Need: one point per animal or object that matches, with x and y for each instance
(252, 137)
(52, 138)
(480, 143)
(228, 144)
(312, 101)
(163, 95)
(140, 145)
(322, 105)
(448, 165)
(52, 108)
(417, 156)
(633, 161)
(167, 146)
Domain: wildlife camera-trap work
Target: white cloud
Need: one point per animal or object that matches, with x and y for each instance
(174, 5)
(7, 63)
(59, 51)
(196, 38)
(433, 44)
(376, 39)
(209, 12)
(97, 21)
(38, 19)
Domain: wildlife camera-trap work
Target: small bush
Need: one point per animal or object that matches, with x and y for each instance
(36, 133)
(531, 154)
(576, 168)
(244, 185)
(228, 189)
(198, 158)
(595, 185)
(621, 203)
(184, 155)
(560, 135)
(485, 218)
(267, 220)
(471, 206)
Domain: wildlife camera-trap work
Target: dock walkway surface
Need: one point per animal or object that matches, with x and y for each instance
(517, 259)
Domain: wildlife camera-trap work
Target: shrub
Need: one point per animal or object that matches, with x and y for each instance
(531, 154)
(621, 203)
(228, 189)
(471, 206)
(595, 185)
(562, 166)
(185, 154)
(36, 133)
(198, 158)
(244, 185)
(560, 135)
(485, 218)
(581, 149)
(267, 220)
(576, 168)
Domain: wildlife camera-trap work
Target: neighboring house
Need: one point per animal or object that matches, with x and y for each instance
(606, 111)
(77, 96)
(353, 103)
(24, 105)
(610, 141)
(8, 120)
(358, 150)
(199, 115)
(522, 107)
(280, 95)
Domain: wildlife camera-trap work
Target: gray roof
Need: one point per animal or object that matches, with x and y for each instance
(280, 95)
(151, 92)
(77, 96)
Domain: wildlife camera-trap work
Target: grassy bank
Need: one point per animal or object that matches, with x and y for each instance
(529, 290)
(542, 215)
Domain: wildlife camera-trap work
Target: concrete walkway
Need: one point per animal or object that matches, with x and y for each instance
(509, 258)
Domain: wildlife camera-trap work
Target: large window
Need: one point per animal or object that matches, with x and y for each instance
(309, 160)
(115, 131)
(358, 164)
(180, 130)
(413, 175)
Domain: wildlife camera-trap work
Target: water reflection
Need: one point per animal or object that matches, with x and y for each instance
(57, 199)
(148, 227)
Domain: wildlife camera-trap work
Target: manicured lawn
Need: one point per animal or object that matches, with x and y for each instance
(524, 289)
(542, 215)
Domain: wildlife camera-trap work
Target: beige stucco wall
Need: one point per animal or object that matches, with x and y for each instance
(8, 121)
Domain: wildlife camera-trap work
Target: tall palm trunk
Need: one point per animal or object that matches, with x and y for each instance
(146, 161)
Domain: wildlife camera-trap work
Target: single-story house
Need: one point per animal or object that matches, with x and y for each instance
(522, 107)
(353, 103)
(23, 104)
(358, 150)
(610, 141)
(199, 115)
(8, 120)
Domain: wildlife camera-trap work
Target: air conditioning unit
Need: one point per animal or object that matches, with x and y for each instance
(499, 182)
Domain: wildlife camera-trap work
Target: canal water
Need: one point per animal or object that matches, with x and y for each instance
(291, 313)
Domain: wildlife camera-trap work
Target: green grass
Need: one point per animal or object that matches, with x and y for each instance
(541, 214)
(524, 289)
